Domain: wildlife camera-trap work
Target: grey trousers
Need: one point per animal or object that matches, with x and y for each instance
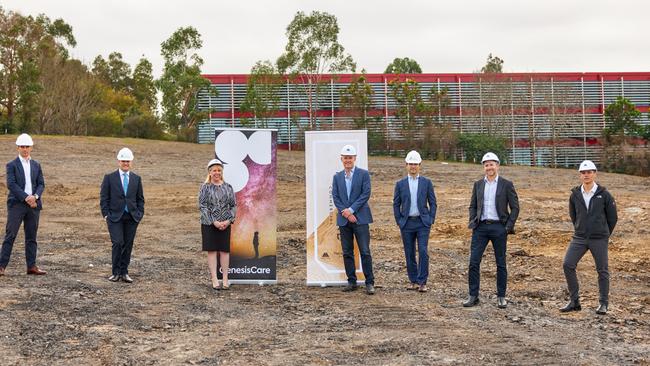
(577, 248)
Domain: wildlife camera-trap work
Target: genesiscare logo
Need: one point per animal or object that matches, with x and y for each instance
(249, 270)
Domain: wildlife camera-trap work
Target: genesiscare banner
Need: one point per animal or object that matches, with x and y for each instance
(249, 157)
(322, 160)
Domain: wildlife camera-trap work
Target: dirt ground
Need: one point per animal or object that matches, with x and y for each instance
(171, 316)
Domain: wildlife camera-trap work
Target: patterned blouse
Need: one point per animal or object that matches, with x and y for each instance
(217, 203)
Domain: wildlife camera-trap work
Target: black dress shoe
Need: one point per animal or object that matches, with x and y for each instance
(471, 301)
(602, 309)
(502, 303)
(126, 278)
(571, 306)
(350, 287)
(114, 278)
(370, 289)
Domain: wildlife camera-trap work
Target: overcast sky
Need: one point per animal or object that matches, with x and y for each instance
(442, 36)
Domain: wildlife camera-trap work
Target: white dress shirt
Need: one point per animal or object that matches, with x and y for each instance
(588, 195)
(28, 174)
(489, 200)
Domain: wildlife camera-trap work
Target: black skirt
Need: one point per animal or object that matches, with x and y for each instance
(215, 239)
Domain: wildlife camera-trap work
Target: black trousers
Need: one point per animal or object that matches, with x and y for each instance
(496, 233)
(16, 215)
(122, 236)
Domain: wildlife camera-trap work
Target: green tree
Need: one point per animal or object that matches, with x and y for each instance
(101, 70)
(144, 87)
(114, 72)
(476, 145)
(262, 93)
(622, 117)
(25, 42)
(356, 101)
(180, 82)
(403, 66)
(143, 126)
(493, 65)
(312, 50)
(410, 106)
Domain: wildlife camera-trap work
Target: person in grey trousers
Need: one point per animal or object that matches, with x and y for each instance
(593, 213)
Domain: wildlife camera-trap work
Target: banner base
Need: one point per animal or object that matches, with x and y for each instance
(253, 282)
(332, 283)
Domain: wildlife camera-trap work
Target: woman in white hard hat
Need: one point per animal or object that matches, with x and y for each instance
(218, 208)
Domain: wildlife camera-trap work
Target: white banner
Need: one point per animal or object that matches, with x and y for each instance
(322, 161)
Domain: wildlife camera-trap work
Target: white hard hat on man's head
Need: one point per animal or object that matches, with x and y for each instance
(24, 140)
(490, 157)
(587, 165)
(413, 157)
(348, 150)
(214, 162)
(125, 154)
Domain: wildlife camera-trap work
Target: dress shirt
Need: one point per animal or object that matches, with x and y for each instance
(588, 195)
(413, 188)
(348, 184)
(28, 174)
(489, 200)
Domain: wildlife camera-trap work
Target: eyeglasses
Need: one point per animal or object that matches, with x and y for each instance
(23, 147)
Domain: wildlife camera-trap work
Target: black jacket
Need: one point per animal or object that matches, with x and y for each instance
(596, 221)
(112, 199)
(506, 198)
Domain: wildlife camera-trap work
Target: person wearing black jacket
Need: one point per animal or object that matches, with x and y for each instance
(493, 211)
(121, 200)
(593, 213)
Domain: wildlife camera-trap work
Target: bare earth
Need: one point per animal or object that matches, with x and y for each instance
(170, 315)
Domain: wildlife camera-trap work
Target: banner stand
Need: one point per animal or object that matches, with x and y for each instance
(323, 247)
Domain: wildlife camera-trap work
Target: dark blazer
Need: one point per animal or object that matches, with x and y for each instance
(358, 196)
(16, 182)
(426, 201)
(506, 198)
(112, 199)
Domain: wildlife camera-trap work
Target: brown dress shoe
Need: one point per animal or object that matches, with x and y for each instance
(2, 271)
(35, 271)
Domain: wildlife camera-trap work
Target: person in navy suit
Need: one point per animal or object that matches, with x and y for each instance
(121, 200)
(414, 206)
(25, 184)
(493, 211)
(350, 193)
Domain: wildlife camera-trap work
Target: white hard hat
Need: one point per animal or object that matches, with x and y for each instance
(24, 140)
(587, 165)
(413, 157)
(214, 162)
(490, 157)
(349, 150)
(125, 154)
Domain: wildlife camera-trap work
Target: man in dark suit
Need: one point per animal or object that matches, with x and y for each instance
(122, 203)
(493, 212)
(414, 206)
(350, 193)
(25, 184)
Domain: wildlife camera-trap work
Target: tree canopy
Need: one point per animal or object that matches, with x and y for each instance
(403, 66)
